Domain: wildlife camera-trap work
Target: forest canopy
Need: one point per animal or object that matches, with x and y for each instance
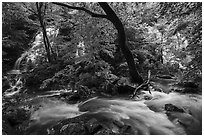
(158, 35)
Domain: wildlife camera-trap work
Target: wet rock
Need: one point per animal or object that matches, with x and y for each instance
(73, 129)
(17, 116)
(126, 89)
(105, 132)
(73, 126)
(50, 131)
(171, 107)
(65, 95)
(190, 87)
(187, 87)
(93, 126)
(14, 119)
(5, 84)
(74, 98)
(190, 90)
(148, 97)
(126, 130)
(189, 84)
(7, 129)
(81, 125)
(39, 130)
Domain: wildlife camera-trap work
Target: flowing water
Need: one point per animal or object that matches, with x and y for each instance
(53, 110)
(28, 56)
(14, 88)
(144, 116)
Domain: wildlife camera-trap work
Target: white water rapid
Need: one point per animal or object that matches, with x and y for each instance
(144, 116)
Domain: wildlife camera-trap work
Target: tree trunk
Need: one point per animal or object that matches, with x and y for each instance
(135, 76)
(161, 56)
(111, 16)
(161, 50)
(45, 38)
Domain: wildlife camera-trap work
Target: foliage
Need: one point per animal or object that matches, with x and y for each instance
(170, 32)
(38, 75)
(187, 22)
(18, 32)
(91, 73)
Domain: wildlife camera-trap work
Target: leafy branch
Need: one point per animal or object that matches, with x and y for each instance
(83, 9)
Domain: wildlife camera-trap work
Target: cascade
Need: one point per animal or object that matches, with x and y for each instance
(14, 88)
(19, 60)
(29, 57)
(171, 113)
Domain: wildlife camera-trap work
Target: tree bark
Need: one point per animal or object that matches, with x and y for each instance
(111, 16)
(45, 38)
(161, 50)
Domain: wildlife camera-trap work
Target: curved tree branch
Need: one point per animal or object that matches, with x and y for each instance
(112, 17)
(27, 8)
(134, 74)
(83, 9)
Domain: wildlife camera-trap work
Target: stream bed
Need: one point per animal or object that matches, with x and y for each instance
(54, 113)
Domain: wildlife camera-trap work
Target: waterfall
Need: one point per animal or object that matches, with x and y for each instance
(16, 88)
(19, 60)
(32, 53)
(29, 57)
